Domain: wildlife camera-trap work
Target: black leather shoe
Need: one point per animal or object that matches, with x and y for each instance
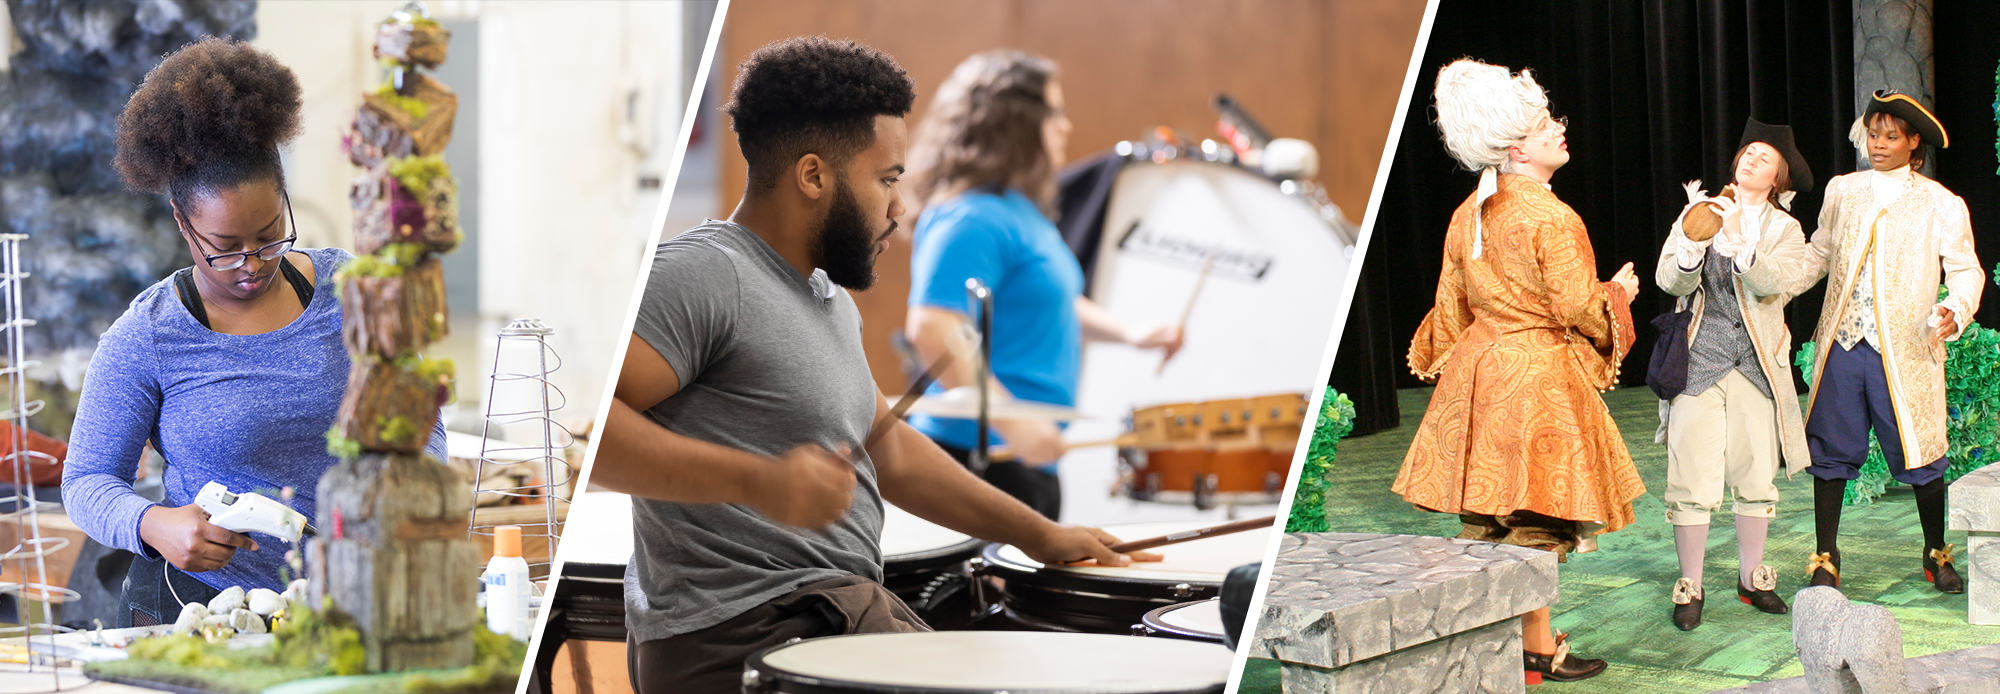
(1687, 604)
(1762, 591)
(1561, 666)
(1824, 569)
(1939, 571)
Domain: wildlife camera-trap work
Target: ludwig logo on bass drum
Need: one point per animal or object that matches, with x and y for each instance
(1150, 242)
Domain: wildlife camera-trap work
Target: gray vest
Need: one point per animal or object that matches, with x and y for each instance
(1721, 343)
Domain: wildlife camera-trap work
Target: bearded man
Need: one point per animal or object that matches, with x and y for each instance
(745, 423)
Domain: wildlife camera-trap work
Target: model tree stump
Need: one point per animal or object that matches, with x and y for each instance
(395, 555)
(423, 109)
(389, 407)
(405, 200)
(397, 534)
(391, 316)
(420, 42)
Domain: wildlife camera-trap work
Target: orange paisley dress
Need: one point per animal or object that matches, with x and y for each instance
(1521, 343)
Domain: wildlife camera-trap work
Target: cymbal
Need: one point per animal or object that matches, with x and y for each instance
(963, 403)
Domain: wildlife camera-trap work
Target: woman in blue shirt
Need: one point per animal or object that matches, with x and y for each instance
(986, 156)
(232, 369)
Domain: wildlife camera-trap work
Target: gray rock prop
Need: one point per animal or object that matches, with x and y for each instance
(1847, 647)
(1975, 509)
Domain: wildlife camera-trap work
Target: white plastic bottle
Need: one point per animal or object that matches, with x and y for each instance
(507, 588)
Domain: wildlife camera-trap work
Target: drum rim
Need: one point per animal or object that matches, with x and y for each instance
(1071, 579)
(1154, 621)
(928, 558)
(572, 570)
(806, 684)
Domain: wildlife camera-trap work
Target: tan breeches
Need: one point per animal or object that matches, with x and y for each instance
(1727, 434)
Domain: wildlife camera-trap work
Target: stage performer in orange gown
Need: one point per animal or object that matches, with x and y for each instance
(1521, 342)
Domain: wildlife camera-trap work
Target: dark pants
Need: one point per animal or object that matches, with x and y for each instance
(711, 660)
(1041, 491)
(148, 599)
(1853, 397)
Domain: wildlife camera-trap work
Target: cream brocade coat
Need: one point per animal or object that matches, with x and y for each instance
(1784, 267)
(1922, 239)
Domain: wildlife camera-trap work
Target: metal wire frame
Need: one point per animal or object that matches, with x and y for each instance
(531, 333)
(30, 551)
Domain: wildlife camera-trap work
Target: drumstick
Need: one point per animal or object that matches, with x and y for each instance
(1188, 310)
(917, 388)
(1192, 535)
(1001, 455)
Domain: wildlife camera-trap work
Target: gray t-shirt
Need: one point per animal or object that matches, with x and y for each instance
(768, 360)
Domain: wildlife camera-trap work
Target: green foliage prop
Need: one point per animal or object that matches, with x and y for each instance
(416, 173)
(308, 644)
(407, 104)
(1336, 418)
(390, 261)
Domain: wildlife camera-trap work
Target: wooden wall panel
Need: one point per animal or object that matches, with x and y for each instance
(1326, 71)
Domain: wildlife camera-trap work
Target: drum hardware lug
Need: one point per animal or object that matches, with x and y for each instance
(1182, 590)
(1141, 630)
(975, 568)
(753, 681)
(1273, 483)
(1205, 490)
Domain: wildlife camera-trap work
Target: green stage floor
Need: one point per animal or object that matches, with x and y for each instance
(1614, 601)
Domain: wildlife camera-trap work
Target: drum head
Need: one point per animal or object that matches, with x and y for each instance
(991, 661)
(909, 542)
(1201, 561)
(1200, 621)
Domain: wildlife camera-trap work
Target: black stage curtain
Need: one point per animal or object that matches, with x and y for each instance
(1656, 92)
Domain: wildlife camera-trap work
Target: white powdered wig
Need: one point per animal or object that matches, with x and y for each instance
(1481, 111)
(1484, 109)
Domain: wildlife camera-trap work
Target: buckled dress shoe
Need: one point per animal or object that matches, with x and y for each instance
(1824, 569)
(1762, 591)
(1939, 571)
(1560, 665)
(1687, 604)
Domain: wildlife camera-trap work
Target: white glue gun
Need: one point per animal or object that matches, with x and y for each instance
(251, 513)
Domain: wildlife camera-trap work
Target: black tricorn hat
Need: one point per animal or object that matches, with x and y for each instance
(1779, 137)
(1906, 107)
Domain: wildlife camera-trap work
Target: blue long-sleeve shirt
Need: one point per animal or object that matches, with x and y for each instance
(249, 411)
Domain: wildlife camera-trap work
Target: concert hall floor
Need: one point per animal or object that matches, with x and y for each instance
(1614, 601)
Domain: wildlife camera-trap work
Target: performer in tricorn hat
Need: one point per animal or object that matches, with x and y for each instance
(1735, 261)
(1887, 238)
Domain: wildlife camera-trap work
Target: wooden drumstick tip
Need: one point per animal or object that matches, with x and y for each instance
(1197, 534)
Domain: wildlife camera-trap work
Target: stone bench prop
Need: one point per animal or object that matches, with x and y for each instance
(1975, 509)
(1363, 612)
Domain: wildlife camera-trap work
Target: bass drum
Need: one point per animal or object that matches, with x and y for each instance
(1265, 310)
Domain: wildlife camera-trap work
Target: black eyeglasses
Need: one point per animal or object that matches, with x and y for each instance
(269, 251)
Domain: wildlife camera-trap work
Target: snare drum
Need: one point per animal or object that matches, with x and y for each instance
(1231, 451)
(987, 661)
(925, 564)
(1200, 620)
(1109, 600)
